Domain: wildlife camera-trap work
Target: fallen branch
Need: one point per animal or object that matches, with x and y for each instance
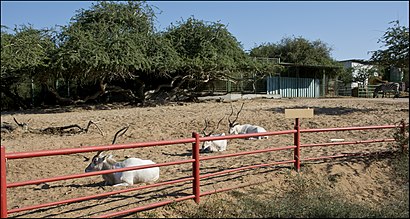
(7, 127)
(59, 129)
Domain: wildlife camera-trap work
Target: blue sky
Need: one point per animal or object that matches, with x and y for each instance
(350, 28)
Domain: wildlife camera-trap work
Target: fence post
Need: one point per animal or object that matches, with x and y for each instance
(403, 133)
(3, 184)
(296, 140)
(195, 167)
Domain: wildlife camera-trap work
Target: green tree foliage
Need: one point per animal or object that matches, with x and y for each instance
(363, 74)
(114, 45)
(7, 61)
(346, 76)
(395, 46)
(207, 49)
(25, 54)
(300, 56)
(209, 52)
(296, 50)
(108, 41)
(395, 49)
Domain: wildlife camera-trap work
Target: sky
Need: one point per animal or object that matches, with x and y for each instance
(350, 28)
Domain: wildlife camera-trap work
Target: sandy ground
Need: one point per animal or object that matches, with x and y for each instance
(357, 178)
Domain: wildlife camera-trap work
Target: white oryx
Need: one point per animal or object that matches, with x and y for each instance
(127, 178)
(213, 146)
(235, 128)
(105, 162)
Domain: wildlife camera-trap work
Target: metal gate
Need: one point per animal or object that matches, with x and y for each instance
(293, 87)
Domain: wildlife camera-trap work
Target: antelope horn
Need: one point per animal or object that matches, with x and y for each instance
(230, 123)
(237, 115)
(123, 130)
(217, 126)
(206, 126)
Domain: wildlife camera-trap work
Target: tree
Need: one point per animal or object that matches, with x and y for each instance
(396, 47)
(25, 56)
(111, 41)
(113, 47)
(296, 50)
(209, 52)
(363, 74)
(346, 76)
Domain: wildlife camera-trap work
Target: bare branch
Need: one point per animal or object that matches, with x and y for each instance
(7, 127)
(91, 122)
(59, 129)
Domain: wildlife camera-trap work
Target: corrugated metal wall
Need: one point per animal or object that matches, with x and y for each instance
(293, 87)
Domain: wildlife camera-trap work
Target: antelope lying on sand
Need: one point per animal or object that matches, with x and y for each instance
(235, 128)
(213, 146)
(105, 162)
(127, 178)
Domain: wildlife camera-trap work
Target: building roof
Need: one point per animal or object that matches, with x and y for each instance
(361, 61)
(311, 66)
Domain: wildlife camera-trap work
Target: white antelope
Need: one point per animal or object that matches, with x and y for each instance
(235, 128)
(105, 162)
(213, 146)
(127, 178)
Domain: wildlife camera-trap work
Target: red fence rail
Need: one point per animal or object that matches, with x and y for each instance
(196, 159)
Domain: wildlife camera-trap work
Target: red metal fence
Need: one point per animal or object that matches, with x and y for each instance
(195, 160)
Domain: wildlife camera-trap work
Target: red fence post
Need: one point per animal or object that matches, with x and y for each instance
(296, 140)
(403, 132)
(195, 167)
(3, 184)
